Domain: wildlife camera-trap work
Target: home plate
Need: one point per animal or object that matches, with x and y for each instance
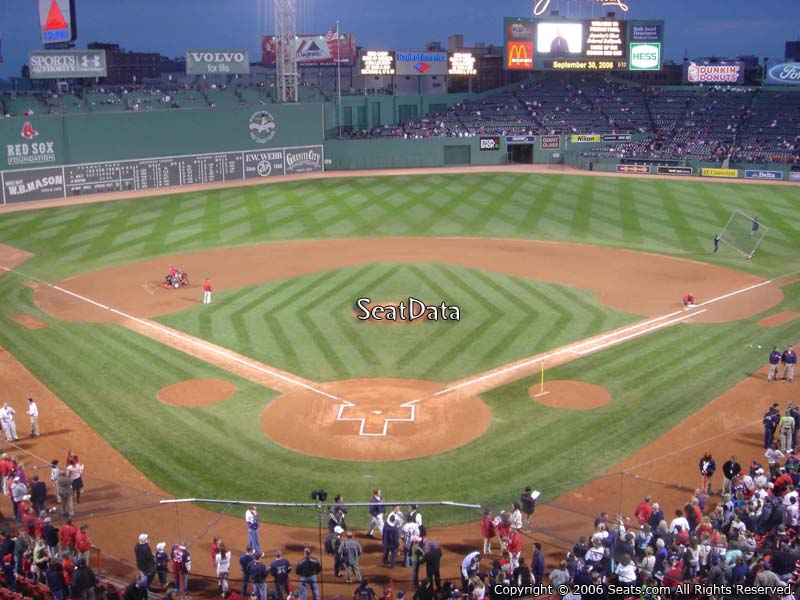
(377, 412)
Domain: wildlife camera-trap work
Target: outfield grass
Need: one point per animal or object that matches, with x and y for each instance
(669, 217)
(110, 376)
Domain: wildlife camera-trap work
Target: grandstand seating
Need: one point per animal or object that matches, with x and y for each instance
(103, 101)
(18, 105)
(62, 104)
(223, 97)
(256, 96)
(691, 123)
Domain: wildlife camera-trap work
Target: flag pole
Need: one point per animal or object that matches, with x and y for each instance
(338, 79)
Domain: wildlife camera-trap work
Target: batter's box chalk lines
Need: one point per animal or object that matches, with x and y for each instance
(363, 421)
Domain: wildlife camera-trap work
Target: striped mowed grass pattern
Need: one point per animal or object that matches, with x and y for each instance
(671, 217)
(307, 325)
(110, 376)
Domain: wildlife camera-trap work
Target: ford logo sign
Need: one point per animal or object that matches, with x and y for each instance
(785, 72)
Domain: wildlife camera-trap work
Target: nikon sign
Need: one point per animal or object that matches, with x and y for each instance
(217, 62)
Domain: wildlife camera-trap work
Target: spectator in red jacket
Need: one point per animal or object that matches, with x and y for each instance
(83, 544)
(514, 547)
(487, 531)
(66, 535)
(644, 511)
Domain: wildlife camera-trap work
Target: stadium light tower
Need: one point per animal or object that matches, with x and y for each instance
(285, 50)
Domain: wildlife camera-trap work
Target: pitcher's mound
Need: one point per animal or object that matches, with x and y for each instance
(375, 420)
(196, 392)
(572, 395)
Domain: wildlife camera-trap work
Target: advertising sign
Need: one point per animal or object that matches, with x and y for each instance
(518, 44)
(782, 73)
(585, 138)
(617, 137)
(303, 160)
(719, 173)
(633, 169)
(57, 21)
(794, 176)
(33, 184)
(757, 174)
(643, 31)
(420, 63)
(645, 57)
(314, 50)
(674, 170)
(377, 62)
(67, 64)
(217, 62)
(30, 148)
(490, 143)
(462, 63)
(519, 56)
(723, 71)
(520, 139)
(550, 142)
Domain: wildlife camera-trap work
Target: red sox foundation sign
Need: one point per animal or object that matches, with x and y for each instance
(29, 151)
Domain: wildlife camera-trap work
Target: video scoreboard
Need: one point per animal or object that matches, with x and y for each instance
(583, 45)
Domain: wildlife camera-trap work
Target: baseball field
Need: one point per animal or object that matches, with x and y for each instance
(577, 277)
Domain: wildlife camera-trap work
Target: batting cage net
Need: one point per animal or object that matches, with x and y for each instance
(743, 233)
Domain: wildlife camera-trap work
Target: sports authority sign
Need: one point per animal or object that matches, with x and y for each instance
(29, 148)
(217, 62)
(421, 63)
(67, 64)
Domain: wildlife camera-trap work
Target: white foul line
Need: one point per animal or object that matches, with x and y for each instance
(190, 340)
(573, 348)
(643, 332)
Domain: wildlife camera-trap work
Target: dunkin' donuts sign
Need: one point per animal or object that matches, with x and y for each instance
(724, 71)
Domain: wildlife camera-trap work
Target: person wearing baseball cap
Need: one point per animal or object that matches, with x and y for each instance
(145, 559)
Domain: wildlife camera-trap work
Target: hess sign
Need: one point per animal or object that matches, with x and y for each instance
(377, 62)
(461, 63)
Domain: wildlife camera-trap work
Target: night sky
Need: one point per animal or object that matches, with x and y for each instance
(723, 28)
